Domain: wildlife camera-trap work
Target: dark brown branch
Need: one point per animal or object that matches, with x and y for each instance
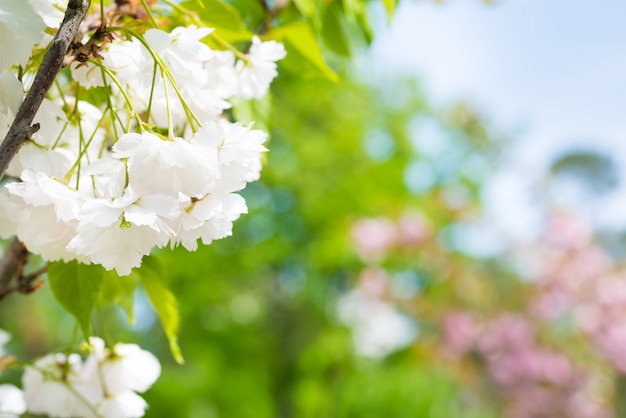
(22, 128)
(11, 266)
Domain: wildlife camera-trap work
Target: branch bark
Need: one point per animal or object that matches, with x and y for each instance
(10, 266)
(22, 128)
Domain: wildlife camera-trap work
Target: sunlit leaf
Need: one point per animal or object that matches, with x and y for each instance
(306, 7)
(164, 303)
(304, 55)
(332, 32)
(226, 19)
(120, 290)
(352, 8)
(356, 14)
(390, 8)
(257, 111)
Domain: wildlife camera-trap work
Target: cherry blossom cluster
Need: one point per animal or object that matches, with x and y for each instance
(534, 380)
(191, 78)
(149, 192)
(571, 280)
(577, 279)
(158, 164)
(106, 384)
(376, 236)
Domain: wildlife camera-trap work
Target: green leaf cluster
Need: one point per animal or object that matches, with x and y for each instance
(79, 288)
(312, 31)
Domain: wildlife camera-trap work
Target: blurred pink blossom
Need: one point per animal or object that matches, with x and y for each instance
(373, 282)
(567, 230)
(550, 304)
(534, 381)
(461, 331)
(373, 236)
(414, 229)
(580, 278)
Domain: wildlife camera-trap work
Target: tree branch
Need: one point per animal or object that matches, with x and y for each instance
(22, 129)
(11, 266)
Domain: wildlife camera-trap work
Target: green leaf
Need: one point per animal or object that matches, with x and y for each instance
(76, 287)
(253, 13)
(120, 290)
(304, 55)
(258, 111)
(164, 303)
(353, 8)
(332, 32)
(364, 24)
(390, 7)
(306, 7)
(222, 16)
(356, 13)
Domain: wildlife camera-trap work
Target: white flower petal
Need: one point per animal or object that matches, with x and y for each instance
(11, 400)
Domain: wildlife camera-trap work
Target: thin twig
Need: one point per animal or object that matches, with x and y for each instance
(25, 282)
(22, 128)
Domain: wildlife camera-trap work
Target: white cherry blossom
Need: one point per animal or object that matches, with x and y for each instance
(51, 11)
(105, 384)
(209, 219)
(156, 165)
(109, 176)
(117, 233)
(257, 73)
(129, 368)
(181, 50)
(129, 61)
(56, 385)
(10, 100)
(238, 148)
(12, 401)
(12, 93)
(20, 29)
(39, 154)
(122, 405)
(87, 74)
(48, 214)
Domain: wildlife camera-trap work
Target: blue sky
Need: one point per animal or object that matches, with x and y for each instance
(552, 70)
